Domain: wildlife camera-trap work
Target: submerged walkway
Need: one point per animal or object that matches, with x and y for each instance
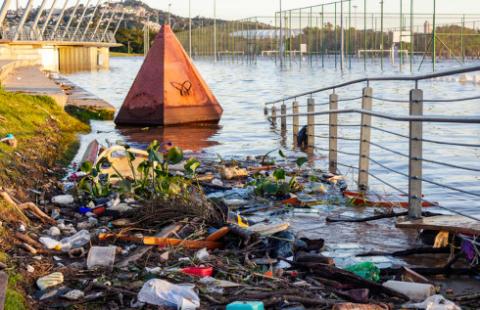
(31, 80)
(28, 79)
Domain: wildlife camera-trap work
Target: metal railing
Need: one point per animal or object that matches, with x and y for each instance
(58, 36)
(415, 120)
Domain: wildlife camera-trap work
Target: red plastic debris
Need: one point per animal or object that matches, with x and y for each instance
(198, 271)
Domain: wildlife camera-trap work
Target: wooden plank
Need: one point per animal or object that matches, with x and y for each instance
(450, 223)
(3, 288)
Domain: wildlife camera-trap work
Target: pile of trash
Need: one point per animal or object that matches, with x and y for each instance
(139, 229)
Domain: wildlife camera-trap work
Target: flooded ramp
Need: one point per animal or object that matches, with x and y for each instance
(168, 90)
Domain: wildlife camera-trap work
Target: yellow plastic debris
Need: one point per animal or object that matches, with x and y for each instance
(441, 240)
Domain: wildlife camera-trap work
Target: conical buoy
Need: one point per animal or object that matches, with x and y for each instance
(168, 89)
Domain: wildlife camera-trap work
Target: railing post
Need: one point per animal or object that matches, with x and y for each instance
(415, 156)
(274, 115)
(332, 141)
(311, 124)
(283, 117)
(365, 130)
(296, 123)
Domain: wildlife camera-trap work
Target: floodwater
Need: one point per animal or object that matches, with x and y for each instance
(243, 88)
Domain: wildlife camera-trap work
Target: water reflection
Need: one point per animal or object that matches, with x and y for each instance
(192, 137)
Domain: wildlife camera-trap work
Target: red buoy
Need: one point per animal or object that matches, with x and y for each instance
(168, 89)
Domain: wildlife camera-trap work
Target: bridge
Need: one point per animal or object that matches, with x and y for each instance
(75, 37)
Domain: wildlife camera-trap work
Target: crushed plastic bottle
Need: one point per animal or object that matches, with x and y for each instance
(76, 241)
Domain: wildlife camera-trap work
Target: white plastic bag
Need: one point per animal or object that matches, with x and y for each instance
(163, 293)
(435, 302)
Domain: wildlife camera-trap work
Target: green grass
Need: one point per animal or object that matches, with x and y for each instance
(119, 54)
(14, 298)
(86, 114)
(46, 136)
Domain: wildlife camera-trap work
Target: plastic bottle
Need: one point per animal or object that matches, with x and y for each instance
(78, 240)
(415, 291)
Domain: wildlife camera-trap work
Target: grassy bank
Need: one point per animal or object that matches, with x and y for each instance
(119, 54)
(46, 134)
(47, 140)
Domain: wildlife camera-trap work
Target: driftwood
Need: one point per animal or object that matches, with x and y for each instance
(430, 271)
(247, 236)
(27, 239)
(372, 218)
(424, 250)
(20, 209)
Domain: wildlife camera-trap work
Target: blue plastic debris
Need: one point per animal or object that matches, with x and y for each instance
(246, 305)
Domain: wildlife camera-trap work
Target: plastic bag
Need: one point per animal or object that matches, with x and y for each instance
(434, 302)
(366, 270)
(163, 293)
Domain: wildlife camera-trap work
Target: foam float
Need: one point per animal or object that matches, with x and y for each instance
(168, 89)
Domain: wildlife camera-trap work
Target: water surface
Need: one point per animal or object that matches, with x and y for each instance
(243, 88)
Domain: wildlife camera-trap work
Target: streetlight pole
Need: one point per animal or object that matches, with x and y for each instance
(169, 12)
(281, 37)
(215, 29)
(190, 27)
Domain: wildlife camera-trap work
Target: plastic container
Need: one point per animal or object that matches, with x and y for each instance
(198, 271)
(415, 291)
(101, 256)
(246, 305)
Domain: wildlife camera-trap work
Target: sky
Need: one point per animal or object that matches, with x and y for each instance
(237, 9)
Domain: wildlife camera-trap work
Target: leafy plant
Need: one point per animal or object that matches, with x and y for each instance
(151, 179)
(92, 183)
(276, 184)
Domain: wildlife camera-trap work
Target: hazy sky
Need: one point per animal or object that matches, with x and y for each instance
(236, 9)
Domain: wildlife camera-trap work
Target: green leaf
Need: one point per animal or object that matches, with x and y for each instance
(271, 188)
(301, 161)
(154, 146)
(131, 156)
(154, 156)
(174, 189)
(279, 174)
(280, 152)
(191, 166)
(174, 155)
(94, 172)
(86, 167)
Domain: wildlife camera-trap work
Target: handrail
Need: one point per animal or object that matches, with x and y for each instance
(415, 119)
(381, 78)
(432, 119)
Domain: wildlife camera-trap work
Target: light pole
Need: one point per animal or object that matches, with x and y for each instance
(215, 30)
(169, 12)
(281, 37)
(190, 27)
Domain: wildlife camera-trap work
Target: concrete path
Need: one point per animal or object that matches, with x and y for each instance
(31, 80)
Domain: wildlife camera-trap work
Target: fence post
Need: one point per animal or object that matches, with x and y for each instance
(332, 141)
(274, 115)
(365, 130)
(311, 124)
(415, 156)
(296, 123)
(283, 117)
